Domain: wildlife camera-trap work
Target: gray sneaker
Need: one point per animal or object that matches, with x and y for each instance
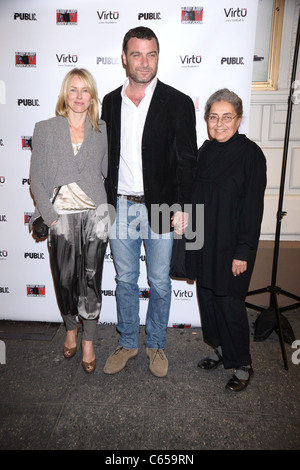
(158, 362)
(118, 359)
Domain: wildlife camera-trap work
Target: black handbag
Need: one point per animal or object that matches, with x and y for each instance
(177, 266)
(39, 228)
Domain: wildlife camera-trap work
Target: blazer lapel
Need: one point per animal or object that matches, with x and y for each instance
(82, 154)
(156, 107)
(116, 113)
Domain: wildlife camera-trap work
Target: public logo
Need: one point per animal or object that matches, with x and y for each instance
(34, 255)
(109, 293)
(232, 60)
(107, 60)
(25, 16)
(36, 290)
(28, 102)
(149, 16)
(66, 17)
(235, 14)
(26, 142)
(4, 290)
(25, 59)
(191, 15)
(108, 16)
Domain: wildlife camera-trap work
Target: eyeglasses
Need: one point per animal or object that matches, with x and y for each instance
(227, 118)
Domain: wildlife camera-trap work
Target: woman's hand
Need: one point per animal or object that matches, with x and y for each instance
(238, 267)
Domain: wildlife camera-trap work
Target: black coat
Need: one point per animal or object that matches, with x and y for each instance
(230, 182)
(169, 147)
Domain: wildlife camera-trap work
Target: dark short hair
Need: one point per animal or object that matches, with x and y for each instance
(224, 95)
(141, 32)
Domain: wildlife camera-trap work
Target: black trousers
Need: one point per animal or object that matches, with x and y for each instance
(225, 323)
(77, 253)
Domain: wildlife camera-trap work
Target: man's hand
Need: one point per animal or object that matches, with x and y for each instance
(180, 222)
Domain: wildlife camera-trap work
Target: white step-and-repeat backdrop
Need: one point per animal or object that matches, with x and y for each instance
(205, 45)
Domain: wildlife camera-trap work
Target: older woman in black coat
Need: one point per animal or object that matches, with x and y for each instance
(230, 183)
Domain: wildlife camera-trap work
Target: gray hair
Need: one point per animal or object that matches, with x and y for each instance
(224, 95)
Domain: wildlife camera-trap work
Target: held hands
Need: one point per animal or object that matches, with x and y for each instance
(180, 222)
(238, 267)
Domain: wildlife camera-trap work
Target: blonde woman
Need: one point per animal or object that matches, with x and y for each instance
(69, 152)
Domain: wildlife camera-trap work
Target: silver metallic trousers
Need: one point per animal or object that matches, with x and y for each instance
(77, 249)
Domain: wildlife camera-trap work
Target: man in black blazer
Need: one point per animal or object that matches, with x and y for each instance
(152, 151)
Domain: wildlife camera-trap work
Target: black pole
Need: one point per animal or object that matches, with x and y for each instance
(281, 214)
(273, 288)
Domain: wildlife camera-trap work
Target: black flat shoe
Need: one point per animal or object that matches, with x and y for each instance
(209, 364)
(237, 385)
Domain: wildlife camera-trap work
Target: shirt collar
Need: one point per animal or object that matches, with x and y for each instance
(149, 90)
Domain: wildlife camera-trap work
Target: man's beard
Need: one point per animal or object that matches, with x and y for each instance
(138, 79)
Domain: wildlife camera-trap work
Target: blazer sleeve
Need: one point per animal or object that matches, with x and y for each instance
(186, 149)
(253, 206)
(104, 163)
(38, 175)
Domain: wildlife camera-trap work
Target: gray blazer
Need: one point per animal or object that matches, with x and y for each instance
(53, 164)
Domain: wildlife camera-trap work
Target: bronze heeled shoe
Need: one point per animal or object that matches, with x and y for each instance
(70, 352)
(88, 367)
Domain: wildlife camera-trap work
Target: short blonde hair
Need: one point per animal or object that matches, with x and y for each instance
(86, 76)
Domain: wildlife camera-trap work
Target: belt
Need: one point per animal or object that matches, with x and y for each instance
(137, 199)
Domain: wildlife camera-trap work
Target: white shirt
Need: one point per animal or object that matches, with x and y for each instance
(132, 126)
(71, 199)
